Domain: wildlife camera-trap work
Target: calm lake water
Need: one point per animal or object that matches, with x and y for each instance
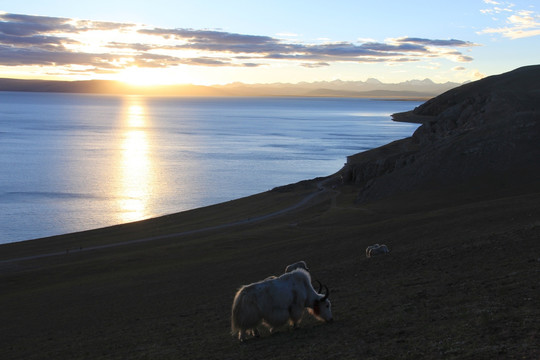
(74, 162)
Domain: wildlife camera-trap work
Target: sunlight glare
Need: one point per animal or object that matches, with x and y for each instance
(136, 116)
(136, 175)
(146, 77)
(135, 164)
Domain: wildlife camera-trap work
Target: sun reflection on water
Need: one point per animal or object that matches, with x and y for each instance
(135, 115)
(135, 164)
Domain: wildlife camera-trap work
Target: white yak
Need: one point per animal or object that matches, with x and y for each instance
(377, 249)
(277, 301)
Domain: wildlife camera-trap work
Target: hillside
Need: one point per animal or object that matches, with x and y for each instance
(462, 222)
(487, 131)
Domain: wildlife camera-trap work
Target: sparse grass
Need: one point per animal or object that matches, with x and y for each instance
(461, 282)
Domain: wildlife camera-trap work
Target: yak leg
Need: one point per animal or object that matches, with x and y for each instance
(278, 318)
(242, 335)
(295, 314)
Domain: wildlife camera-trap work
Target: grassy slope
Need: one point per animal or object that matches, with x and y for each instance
(461, 281)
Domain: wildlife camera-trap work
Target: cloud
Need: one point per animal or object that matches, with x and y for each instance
(210, 61)
(106, 46)
(477, 75)
(36, 40)
(211, 39)
(315, 65)
(519, 23)
(431, 42)
(463, 58)
(459, 68)
(12, 56)
(28, 25)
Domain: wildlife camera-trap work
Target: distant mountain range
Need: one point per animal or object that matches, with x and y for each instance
(371, 88)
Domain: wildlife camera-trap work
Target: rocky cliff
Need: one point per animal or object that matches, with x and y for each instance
(488, 130)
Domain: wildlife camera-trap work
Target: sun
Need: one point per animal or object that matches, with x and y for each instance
(147, 77)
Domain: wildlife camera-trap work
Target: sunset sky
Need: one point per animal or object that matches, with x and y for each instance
(218, 42)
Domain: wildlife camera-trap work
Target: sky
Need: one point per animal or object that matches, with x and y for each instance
(209, 42)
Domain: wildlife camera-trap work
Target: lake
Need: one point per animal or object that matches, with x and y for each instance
(72, 162)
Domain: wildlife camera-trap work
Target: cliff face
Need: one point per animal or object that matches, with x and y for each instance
(488, 129)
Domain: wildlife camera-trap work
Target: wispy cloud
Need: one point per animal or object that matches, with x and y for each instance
(431, 42)
(107, 47)
(518, 23)
(315, 65)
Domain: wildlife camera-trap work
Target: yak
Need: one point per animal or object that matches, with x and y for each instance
(377, 249)
(277, 301)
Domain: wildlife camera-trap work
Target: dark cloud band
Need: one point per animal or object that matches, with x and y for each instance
(52, 41)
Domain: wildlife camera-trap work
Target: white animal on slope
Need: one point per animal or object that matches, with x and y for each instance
(368, 249)
(275, 302)
(377, 250)
(297, 265)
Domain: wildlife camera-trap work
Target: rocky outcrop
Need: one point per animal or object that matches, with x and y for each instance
(480, 130)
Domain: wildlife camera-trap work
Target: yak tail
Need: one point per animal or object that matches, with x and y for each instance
(245, 312)
(237, 311)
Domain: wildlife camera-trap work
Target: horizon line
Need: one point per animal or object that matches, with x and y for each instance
(128, 84)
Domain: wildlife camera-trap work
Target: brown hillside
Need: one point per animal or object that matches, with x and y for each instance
(487, 131)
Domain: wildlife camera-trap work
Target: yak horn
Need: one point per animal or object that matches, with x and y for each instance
(320, 286)
(327, 293)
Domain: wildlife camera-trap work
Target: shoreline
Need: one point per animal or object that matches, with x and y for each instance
(320, 190)
(12, 234)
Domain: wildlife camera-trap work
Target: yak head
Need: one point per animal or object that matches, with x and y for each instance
(322, 308)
